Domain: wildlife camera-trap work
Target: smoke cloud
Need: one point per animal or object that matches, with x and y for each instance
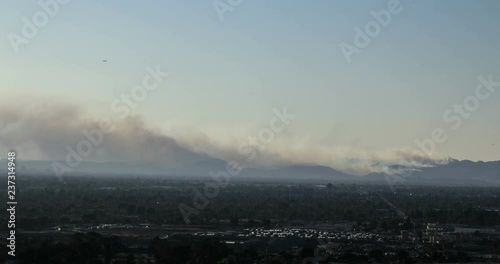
(44, 132)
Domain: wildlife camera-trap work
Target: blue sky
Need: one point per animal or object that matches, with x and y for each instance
(228, 75)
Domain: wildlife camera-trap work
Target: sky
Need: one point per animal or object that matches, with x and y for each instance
(228, 72)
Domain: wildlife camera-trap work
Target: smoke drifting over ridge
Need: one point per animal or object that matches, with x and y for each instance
(47, 132)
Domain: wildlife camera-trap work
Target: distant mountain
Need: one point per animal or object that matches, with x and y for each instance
(299, 173)
(455, 173)
(463, 172)
(195, 167)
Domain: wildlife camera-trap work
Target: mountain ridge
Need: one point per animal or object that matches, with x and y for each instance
(454, 173)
